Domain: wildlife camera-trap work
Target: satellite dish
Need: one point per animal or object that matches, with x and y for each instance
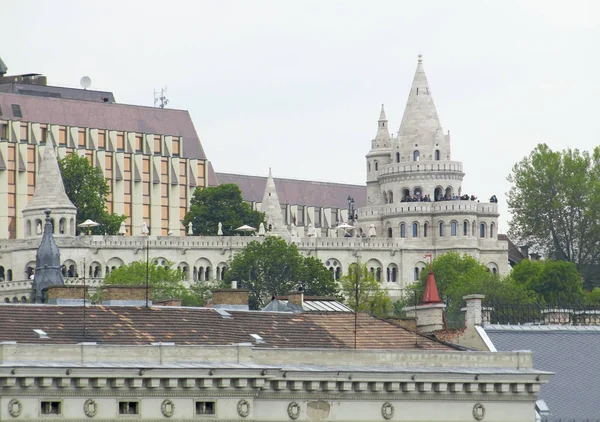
(85, 82)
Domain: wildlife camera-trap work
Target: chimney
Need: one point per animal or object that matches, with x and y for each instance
(524, 251)
(230, 299)
(473, 310)
(66, 295)
(296, 298)
(125, 295)
(429, 314)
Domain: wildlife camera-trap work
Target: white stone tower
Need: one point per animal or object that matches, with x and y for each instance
(272, 209)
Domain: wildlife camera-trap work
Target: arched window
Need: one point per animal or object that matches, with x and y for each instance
(368, 166)
(405, 193)
(416, 273)
(482, 230)
(376, 166)
(492, 226)
(391, 197)
(453, 229)
(416, 155)
(378, 274)
(441, 229)
(425, 227)
(494, 271)
(397, 157)
(465, 228)
(385, 197)
(394, 274)
(390, 232)
(402, 230)
(415, 230)
(437, 155)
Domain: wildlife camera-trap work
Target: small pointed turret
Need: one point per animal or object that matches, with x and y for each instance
(272, 209)
(383, 133)
(47, 264)
(431, 294)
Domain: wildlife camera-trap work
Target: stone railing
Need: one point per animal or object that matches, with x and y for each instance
(421, 167)
(442, 207)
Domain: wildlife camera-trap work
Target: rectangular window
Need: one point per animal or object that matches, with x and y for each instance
(317, 219)
(300, 216)
(201, 173)
(81, 138)
(129, 408)
(51, 407)
(24, 132)
(157, 145)
(108, 165)
(62, 136)
(3, 130)
(139, 143)
(176, 147)
(101, 139)
(120, 141)
(205, 407)
(43, 134)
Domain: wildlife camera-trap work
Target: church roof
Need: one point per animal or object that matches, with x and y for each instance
(420, 119)
(49, 187)
(298, 192)
(203, 326)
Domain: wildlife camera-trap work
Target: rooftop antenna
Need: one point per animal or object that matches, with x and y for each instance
(85, 82)
(160, 98)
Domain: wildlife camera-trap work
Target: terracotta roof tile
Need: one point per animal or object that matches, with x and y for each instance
(203, 326)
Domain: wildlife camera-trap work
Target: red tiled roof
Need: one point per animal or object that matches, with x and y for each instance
(201, 326)
(298, 192)
(111, 116)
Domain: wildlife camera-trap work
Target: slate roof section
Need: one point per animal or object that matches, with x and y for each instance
(57, 92)
(570, 352)
(99, 115)
(514, 254)
(298, 192)
(203, 326)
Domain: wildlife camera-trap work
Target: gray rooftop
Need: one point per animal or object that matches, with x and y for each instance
(571, 352)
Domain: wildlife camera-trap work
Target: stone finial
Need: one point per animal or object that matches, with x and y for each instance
(420, 58)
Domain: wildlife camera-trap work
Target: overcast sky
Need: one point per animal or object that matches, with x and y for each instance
(297, 85)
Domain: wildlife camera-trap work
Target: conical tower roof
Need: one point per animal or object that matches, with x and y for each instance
(420, 121)
(383, 133)
(49, 188)
(272, 209)
(431, 294)
(47, 263)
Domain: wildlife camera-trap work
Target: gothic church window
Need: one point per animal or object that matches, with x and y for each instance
(376, 166)
(415, 230)
(416, 155)
(368, 166)
(437, 155)
(425, 227)
(389, 232)
(453, 228)
(402, 230)
(492, 230)
(397, 157)
(482, 230)
(441, 229)
(465, 228)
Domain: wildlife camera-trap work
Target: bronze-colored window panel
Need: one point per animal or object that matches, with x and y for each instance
(31, 178)
(176, 146)
(81, 138)
(157, 144)
(3, 130)
(120, 141)
(12, 228)
(127, 188)
(11, 178)
(43, 133)
(12, 155)
(146, 212)
(164, 212)
(164, 166)
(11, 201)
(62, 135)
(146, 189)
(182, 213)
(164, 190)
(101, 139)
(24, 132)
(109, 207)
(139, 143)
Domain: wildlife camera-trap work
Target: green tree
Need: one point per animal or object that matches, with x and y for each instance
(553, 281)
(220, 204)
(87, 189)
(363, 293)
(555, 205)
(274, 267)
(459, 275)
(165, 281)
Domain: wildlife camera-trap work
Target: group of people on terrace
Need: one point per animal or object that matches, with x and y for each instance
(427, 198)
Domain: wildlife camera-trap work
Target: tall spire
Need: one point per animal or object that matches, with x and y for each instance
(47, 264)
(420, 121)
(383, 134)
(272, 209)
(49, 188)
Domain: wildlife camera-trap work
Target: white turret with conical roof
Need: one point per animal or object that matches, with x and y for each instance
(50, 195)
(378, 156)
(272, 209)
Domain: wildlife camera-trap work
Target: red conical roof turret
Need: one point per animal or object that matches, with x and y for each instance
(431, 292)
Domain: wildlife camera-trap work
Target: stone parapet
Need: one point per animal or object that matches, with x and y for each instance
(125, 293)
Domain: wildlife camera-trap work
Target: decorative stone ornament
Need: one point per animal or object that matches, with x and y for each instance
(90, 408)
(243, 408)
(387, 410)
(167, 408)
(478, 411)
(293, 410)
(15, 408)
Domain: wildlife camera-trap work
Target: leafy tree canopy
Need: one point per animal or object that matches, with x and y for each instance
(555, 205)
(274, 267)
(363, 293)
(553, 282)
(87, 189)
(459, 275)
(223, 204)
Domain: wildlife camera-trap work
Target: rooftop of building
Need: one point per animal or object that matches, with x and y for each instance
(130, 325)
(567, 350)
(297, 191)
